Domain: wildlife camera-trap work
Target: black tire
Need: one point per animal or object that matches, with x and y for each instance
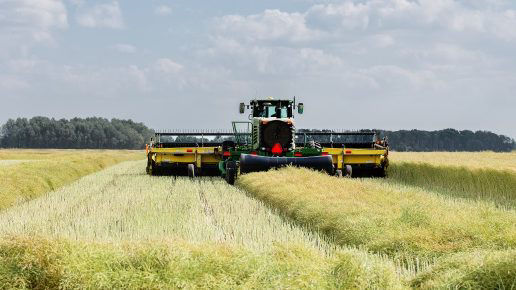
(191, 170)
(231, 172)
(381, 172)
(349, 171)
(154, 170)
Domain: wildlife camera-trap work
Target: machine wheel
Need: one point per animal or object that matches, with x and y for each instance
(349, 171)
(380, 172)
(152, 169)
(338, 173)
(148, 169)
(191, 170)
(231, 172)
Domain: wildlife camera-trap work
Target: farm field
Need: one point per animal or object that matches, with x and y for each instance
(122, 203)
(120, 228)
(470, 160)
(27, 174)
(391, 219)
(460, 242)
(123, 222)
(484, 176)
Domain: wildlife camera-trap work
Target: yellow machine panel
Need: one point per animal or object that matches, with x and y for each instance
(194, 155)
(345, 156)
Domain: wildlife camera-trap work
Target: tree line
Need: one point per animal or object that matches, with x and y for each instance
(448, 140)
(440, 140)
(101, 133)
(76, 133)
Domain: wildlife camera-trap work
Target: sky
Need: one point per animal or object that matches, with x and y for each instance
(186, 64)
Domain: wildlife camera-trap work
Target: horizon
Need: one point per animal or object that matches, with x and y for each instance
(393, 64)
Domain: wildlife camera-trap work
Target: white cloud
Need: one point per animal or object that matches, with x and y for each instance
(348, 15)
(336, 21)
(162, 10)
(28, 21)
(448, 15)
(269, 25)
(106, 15)
(167, 66)
(355, 36)
(124, 48)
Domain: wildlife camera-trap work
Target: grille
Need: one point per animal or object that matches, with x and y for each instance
(277, 132)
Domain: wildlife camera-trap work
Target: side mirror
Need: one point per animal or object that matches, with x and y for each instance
(300, 108)
(242, 108)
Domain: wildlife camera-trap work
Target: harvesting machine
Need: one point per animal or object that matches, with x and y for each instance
(268, 140)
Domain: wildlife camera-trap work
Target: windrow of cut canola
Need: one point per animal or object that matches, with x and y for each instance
(454, 240)
(392, 219)
(56, 264)
(139, 231)
(484, 176)
(27, 174)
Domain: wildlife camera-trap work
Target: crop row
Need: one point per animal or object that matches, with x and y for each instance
(384, 217)
(469, 160)
(496, 186)
(122, 203)
(27, 174)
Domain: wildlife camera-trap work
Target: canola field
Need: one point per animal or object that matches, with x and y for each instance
(111, 226)
(27, 174)
(486, 176)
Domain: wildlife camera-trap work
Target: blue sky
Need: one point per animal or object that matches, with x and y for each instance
(393, 64)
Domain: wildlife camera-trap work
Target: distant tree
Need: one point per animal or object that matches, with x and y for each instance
(448, 140)
(89, 133)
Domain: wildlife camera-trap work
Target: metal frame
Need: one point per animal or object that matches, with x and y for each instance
(244, 138)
